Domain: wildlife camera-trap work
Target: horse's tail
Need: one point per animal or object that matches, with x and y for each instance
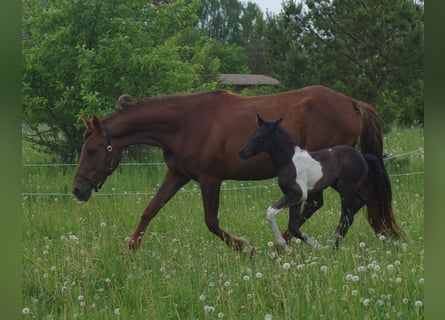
(379, 205)
(371, 140)
(379, 213)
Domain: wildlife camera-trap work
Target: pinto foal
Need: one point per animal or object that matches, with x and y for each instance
(301, 173)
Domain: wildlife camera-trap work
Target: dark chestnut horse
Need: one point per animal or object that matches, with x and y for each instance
(200, 135)
(302, 174)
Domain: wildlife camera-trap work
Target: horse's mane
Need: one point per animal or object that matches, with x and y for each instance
(127, 102)
(286, 136)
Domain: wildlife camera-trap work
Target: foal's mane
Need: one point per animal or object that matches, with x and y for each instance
(286, 136)
(126, 102)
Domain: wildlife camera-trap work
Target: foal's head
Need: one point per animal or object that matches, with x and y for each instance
(262, 139)
(97, 159)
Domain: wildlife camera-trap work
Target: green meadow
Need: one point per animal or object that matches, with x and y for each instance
(76, 264)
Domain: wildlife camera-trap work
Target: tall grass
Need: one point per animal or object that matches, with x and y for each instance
(76, 264)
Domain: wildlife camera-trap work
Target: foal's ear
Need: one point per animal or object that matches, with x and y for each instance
(259, 120)
(277, 123)
(97, 124)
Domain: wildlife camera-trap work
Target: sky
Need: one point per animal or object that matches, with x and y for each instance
(273, 6)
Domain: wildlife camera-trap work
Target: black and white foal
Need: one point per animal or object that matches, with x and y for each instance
(301, 174)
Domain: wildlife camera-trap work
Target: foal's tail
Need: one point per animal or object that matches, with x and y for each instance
(379, 210)
(379, 205)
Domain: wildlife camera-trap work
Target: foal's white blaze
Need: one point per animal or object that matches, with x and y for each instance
(309, 170)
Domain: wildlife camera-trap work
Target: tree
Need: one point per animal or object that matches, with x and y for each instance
(235, 31)
(80, 56)
(372, 50)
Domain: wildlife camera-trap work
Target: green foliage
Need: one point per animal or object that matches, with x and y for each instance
(79, 64)
(79, 56)
(369, 50)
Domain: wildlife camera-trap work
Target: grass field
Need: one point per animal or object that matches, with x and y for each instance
(76, 264)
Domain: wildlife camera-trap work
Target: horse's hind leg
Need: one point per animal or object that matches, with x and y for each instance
(350, 205)
(312, 204)
(171, 184)
(210, 189)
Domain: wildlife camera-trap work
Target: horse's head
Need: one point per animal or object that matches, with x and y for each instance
(97, 159)
(261, 140)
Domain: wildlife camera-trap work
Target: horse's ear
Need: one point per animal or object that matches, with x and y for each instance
(86, 122)
(259, 120)
(97, 124)
(277, 123)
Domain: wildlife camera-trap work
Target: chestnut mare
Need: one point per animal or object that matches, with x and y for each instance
(200, 135)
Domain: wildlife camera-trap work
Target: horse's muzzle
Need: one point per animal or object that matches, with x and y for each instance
(82, 195)
(243, 154)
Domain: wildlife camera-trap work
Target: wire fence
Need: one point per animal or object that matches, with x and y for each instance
(146, 193)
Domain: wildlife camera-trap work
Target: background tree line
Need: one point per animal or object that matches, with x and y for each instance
(80, 56)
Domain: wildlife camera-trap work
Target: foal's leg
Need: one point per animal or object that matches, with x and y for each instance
(171, 184)
(294, 227)
(210, 188)
(290, 199)
(312, 204)
(350, 204)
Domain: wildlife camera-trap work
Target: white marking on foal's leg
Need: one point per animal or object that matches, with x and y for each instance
(271, 213)
(312, 242)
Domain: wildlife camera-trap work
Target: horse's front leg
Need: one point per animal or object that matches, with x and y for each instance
(171, 184)
(312, 204)
(210, 189)
(288, 200)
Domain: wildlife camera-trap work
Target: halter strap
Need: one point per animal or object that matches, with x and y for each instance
(110, 162)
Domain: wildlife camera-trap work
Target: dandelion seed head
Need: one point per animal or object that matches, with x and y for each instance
(324, 268)
(202, 297)
(117, 311)
(354, 292)
(26, 310)
(268, 317)
(259, 275)
(362, 244)
(246, 278)
(366, 302)
(418, 303)
(103, 224)
(286, 266)
(208, 308)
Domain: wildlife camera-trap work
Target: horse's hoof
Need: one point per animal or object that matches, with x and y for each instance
(133, 245)
(238, 243)
(313, 243)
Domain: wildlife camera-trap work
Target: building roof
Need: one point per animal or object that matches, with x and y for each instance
(247, 79)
